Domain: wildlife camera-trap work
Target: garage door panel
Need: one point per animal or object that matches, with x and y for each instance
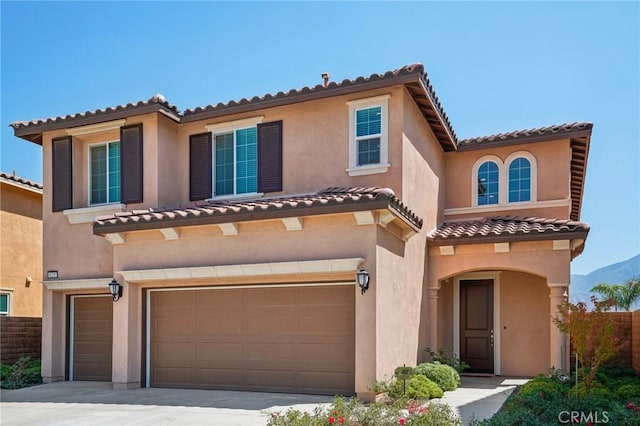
(285, 324)
(211, 354)
(271, 297)
(217, 324)
(292, 339)
(175, 376)
(178, 324)
(270, 378)
(175, 353)
(327, 296)
(92, 338)
(218, 377)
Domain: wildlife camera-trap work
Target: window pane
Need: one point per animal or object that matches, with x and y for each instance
(224, 164)
(519, 180)
(4, 303)
(488, 183)
(369, 121)
(368, 151)
(114, 172)
(98, 156)
(246, 160)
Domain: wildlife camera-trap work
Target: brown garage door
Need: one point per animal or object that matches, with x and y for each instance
(289, 339)
(92, 338)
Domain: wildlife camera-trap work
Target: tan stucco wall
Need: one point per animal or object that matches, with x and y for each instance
(553, 174)
(524, 324)
(21, 249)
(315, 143)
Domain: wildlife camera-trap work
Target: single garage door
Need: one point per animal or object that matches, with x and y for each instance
(91, 338)
(279, 339)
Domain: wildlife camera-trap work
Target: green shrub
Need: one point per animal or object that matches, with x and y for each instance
(419, 388)
(25, 372)
(5, 371)
(543, 387)
(628, 392)
(443, 375)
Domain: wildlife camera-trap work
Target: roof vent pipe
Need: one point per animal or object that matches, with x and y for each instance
(325, 78)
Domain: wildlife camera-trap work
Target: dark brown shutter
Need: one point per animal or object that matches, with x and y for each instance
(270, 156)
(62, 173)
(131, 182)
(200, 166)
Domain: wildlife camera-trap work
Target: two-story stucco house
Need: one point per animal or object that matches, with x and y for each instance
(20, 246)
(236, 231)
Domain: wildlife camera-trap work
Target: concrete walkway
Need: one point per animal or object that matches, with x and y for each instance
(96, 403)
(480, 397)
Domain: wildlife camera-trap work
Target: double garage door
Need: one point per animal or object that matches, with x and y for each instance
(282, 339)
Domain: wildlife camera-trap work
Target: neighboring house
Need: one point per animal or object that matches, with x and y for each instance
(20, 247)
(236, 232)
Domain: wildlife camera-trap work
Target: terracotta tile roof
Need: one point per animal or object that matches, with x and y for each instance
(528, 135)
(330, 200)
(505, 228)
(413, 76)
(22, 181)
(319, 91)
(35, 127)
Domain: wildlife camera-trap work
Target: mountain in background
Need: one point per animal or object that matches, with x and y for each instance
(618, 273)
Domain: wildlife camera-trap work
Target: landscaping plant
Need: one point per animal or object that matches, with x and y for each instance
(444, 356)
(443, 375)
(25, 372)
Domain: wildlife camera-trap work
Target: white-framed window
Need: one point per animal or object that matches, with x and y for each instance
(368, 136)
(498, 182)
(521, 169)
(104, 173)
(235, 157)
(5, 303)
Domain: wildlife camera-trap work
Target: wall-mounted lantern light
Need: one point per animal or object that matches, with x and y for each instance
(115, 289)
(363, 279)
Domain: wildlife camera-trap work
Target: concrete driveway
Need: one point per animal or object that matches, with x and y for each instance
(96, 403)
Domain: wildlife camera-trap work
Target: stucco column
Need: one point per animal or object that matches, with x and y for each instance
(127, 340)
(53, 336)
(433, 317)
(557, 339)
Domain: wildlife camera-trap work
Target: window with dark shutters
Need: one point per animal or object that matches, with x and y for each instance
(131, 171)
(270, 156)
(62, 174)
(200, 166)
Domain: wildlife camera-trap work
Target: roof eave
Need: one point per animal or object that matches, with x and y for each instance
(33, 132)
(544, 236)
(246, 216)
(525, 139)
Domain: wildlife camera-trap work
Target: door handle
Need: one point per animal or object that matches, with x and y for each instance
(491, 338)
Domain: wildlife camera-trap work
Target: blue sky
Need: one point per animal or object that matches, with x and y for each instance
(496, 66)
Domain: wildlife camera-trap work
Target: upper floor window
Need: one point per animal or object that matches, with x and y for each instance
(5, 304)
(488, 190)
(513, 180)
(368, 136)
(236, 162)
(104, 172)
(519, 180)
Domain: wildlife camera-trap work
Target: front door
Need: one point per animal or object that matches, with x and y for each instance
(476, 325)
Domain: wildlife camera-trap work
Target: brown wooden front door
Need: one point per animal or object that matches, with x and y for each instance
(476, 325)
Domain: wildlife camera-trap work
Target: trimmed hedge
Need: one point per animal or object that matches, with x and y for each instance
(445, 376)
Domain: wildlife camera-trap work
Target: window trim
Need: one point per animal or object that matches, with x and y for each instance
(224, 128)
(474, 179)
(533, 192)
(503, 183)
(89, 147)
(9, 294)
(368, 169)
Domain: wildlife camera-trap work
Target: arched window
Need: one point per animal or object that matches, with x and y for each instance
(488, 188)
(519, 180)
